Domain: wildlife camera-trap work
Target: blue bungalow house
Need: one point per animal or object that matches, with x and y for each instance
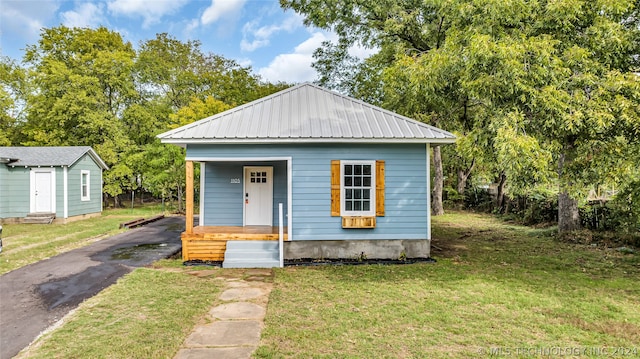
(43, 184)
(352, 180)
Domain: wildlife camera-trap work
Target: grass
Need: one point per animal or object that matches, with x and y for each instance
(496, 287)
(146, 314)
(24, 244)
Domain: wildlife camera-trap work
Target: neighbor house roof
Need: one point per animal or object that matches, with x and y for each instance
(47, 156)
(306, 113)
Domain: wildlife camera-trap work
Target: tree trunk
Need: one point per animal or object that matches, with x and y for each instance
(438, 183)
(568, 214)
(463, 176)
(502, 181)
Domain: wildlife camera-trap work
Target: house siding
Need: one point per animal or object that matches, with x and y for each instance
(14, 191)
(405, 187)
(76, 205)
(223, 200)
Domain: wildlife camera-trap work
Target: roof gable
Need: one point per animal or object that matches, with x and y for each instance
(48, 156)
(306, 113)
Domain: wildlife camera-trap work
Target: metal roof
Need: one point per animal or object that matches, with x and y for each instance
(47, 156)
(306, 113)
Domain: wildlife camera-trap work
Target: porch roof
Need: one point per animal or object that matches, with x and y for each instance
(306, 113)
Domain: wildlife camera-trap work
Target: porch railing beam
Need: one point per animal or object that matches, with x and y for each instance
(189, 198)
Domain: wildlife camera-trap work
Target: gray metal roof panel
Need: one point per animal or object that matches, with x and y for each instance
(306, 111)
(48, 156)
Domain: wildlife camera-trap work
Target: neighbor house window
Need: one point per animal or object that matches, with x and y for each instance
(85, 189)
(358, 188)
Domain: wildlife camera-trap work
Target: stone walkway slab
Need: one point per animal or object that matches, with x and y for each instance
(217, 353)
(238, 310)
(241, 294)
(225, 333)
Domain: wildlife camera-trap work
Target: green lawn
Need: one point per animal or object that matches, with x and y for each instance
(23, 244)
(497, 288)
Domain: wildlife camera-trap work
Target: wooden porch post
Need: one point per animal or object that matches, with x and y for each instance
(189, 198)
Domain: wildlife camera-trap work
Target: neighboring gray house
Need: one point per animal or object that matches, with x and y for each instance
(61, 183)
(353, 178)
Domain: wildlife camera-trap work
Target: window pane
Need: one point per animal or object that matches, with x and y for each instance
(366, 169)
(366, 181)
(366, 205)
(348, 194)
(357, 193)
(348, 181)
(357, 206)
(357, 181)
(348, 205)
(348, 169)
(366, 193)
(357, 169)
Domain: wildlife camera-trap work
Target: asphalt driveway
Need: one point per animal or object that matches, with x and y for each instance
(34, 297)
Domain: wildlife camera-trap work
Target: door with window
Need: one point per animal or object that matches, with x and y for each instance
(258, 196)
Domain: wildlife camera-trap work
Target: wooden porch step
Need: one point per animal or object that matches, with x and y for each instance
(39, 218)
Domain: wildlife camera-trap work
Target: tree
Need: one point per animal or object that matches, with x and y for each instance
(84, 82)
(545, 85)
(13, 89)
(395, 28)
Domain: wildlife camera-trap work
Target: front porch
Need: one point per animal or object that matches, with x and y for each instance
(210, 242)
(226, 183)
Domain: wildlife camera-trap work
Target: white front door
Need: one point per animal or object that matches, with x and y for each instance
(42, 191)
(258, 196)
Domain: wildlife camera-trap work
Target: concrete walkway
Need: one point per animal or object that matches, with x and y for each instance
(232, 330)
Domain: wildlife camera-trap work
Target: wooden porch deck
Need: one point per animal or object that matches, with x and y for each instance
(210, 242)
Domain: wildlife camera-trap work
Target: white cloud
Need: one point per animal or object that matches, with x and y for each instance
(84, 15)
(221, 9)
(296, 66)
(24, 19)
(261, 35)
(150, 11)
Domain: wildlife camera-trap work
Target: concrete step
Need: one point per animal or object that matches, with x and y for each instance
(251, 254)
(39, 218)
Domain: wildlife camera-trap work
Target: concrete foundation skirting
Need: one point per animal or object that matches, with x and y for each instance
(350, 249)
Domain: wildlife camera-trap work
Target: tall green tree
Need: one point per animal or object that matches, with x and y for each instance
(548, 86)
(13, 89)
(84, 82)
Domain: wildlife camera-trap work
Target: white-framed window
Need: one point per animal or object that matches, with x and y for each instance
(358, 188)
(85, 185)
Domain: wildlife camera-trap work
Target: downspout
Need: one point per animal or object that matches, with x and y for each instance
(428, 192)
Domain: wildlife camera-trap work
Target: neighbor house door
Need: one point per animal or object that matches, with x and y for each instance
(42, 190)
(258, 196)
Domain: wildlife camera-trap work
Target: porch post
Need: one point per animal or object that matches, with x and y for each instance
(189, 198)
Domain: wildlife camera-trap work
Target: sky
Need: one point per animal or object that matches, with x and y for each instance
(256, 33)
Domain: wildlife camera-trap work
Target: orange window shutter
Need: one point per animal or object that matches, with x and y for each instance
(380, 188)
(335, 188)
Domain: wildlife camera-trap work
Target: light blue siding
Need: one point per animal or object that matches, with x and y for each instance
(405, 187)
(223, 200)
(75, 204)
(14, 191)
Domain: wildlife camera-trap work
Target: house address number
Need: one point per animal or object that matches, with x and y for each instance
(235, 180)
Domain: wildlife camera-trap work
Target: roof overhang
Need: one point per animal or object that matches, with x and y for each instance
(256, 141)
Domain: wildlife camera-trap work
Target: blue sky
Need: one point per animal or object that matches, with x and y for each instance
(256, 33)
